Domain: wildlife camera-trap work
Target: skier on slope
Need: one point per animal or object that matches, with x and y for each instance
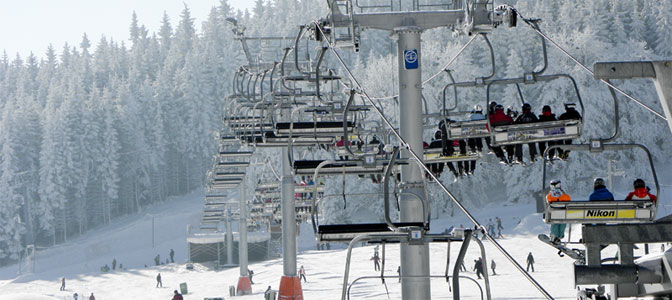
(499, 227)
(376, 261)
(158, 280)
(302, 274)
(177, 296)
(530, 262)
(478, 267)
(493, 266)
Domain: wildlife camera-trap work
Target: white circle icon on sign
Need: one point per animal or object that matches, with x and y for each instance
(411, 56)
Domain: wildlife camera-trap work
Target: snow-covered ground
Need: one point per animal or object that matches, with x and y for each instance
(129, 240)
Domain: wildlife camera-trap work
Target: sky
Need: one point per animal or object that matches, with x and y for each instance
(31, 25)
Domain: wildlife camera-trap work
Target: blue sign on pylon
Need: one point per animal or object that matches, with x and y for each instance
(411, 59)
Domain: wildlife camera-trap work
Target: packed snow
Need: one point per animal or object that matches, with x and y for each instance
(129, 241)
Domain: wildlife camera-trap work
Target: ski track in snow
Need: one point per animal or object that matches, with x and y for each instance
(129, 241)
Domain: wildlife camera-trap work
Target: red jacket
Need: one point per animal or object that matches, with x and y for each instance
(178, 297)
(641, 194)
(500, 118)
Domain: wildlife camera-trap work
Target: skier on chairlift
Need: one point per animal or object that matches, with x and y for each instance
(600, 191)
(557, 194)
(569, 114)
(547, 115)
(499, 119)
(641, 192)
(447, 145)
(436, 168)
(527, 116)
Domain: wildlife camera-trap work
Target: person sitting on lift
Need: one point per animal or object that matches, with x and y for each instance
(569, 114)
(641, 192)
(341, 145)
(526, 117)
(448, 146)
(554, 195)
(436, 168)
(547, 115)
(378, 147)
(499, 119)
(600, 192)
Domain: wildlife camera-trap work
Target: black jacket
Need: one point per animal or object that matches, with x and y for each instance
(526, 117)
(571, 114)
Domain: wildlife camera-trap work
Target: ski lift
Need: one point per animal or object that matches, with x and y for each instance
(611, 212)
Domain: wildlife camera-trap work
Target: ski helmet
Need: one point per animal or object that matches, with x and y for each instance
(569, 106)
(555, 184)
(527, 107)
(546, 108)
(478, 108)
(437, 134)
(499, 107)
(639, 183)
(598, 183)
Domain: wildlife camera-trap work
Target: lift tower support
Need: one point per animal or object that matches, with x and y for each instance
(244, 282)
(407, 25)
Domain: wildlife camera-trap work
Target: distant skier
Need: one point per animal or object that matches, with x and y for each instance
(478, 267)
(158, 281)
(376, 260)
(399, 272)
(554, 195)
(75, 296)
(157, 259)
(251, 274)
(492, 267)
(63, 284)
(114, 264)
(491, 227)
(302, 274)
(600, 191)
(499, 227)
(177, 296)
(172, 255)
(530, 262)
(267, 293)
(92, 297)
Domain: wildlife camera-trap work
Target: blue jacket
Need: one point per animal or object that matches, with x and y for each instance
(601, 194)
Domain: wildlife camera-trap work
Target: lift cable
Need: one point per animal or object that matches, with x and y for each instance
(418, 160)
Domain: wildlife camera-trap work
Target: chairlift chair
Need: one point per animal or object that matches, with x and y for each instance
(610, 212)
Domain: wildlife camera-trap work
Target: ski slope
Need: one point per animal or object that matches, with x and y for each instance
(129, 241)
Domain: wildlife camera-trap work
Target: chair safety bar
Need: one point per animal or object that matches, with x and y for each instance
(536, 132)
(600, 212)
